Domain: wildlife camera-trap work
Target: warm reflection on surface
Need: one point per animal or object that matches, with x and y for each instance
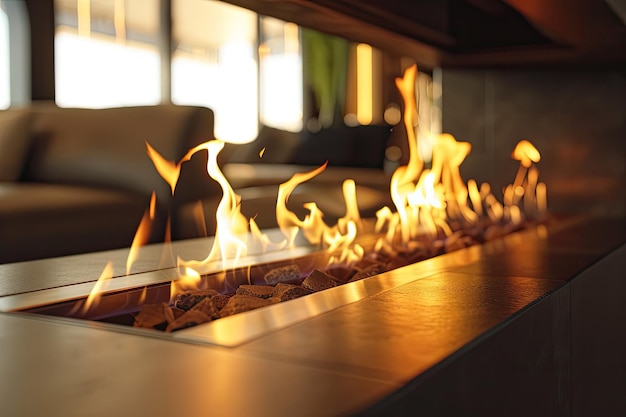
(422, 322)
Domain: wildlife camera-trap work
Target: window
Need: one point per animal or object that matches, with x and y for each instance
(215, 64)
(106, 53)
(251, 70)
(280, 72)
(15, 76)
(5, 83)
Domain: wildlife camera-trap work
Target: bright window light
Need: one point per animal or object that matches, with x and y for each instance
(215, 65)
(281, 92)
(5, 82)
(98, 72)
(195, 81)
(236, 119)
(280, 71)
(228, 87)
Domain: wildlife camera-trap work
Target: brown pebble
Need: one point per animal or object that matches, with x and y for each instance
(154, 316)
(340, 274)
(282, 274)
(207, 306)
(286, 292)
(318, 281)
(191, 318)
(241, 303)
(189, 299)
(177, 312)
(261, 291)
(221, 300)
(368, 271)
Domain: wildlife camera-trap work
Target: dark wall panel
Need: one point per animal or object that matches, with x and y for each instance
(575, 118)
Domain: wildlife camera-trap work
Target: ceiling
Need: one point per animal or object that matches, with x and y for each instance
(470, 33)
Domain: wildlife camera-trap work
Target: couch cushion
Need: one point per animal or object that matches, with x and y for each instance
(107, 147)
(14, 143)
(46, 220)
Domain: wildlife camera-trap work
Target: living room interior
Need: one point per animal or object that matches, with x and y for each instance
(92, 90)
(299, 93)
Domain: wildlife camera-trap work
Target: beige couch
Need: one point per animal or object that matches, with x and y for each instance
(79, 180)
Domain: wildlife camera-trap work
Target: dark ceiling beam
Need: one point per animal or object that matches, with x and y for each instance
(491, 33)
(335, 18)
(581, 23)
(589, 28)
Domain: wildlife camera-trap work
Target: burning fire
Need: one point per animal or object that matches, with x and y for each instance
(430, 204)
(94, 296)
(434, 202)
(142, 235)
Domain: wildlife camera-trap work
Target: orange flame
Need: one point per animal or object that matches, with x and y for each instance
(188, 280)
(142, 234)
(428, 201)
(230, 222)
(343, 236)
(525, 186)
(526, 153)
(230, 241)
(95, 293)
(352, 209)
(406, 86)
(169, 170)
(288, 223)
(340, 237)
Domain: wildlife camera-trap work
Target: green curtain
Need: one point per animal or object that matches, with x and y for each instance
(325, 61)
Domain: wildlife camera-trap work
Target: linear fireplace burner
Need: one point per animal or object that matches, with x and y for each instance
(121, 304)
(304, 273)
(435, 212)
(520, 325)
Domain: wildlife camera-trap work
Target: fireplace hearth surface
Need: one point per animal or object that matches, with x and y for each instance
(528, 324)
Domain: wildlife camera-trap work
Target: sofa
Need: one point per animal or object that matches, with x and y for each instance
(79, 180)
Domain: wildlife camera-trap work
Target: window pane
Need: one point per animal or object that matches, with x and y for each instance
(106, 53)
(214, 64)
(5, 85)
(280, 60)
